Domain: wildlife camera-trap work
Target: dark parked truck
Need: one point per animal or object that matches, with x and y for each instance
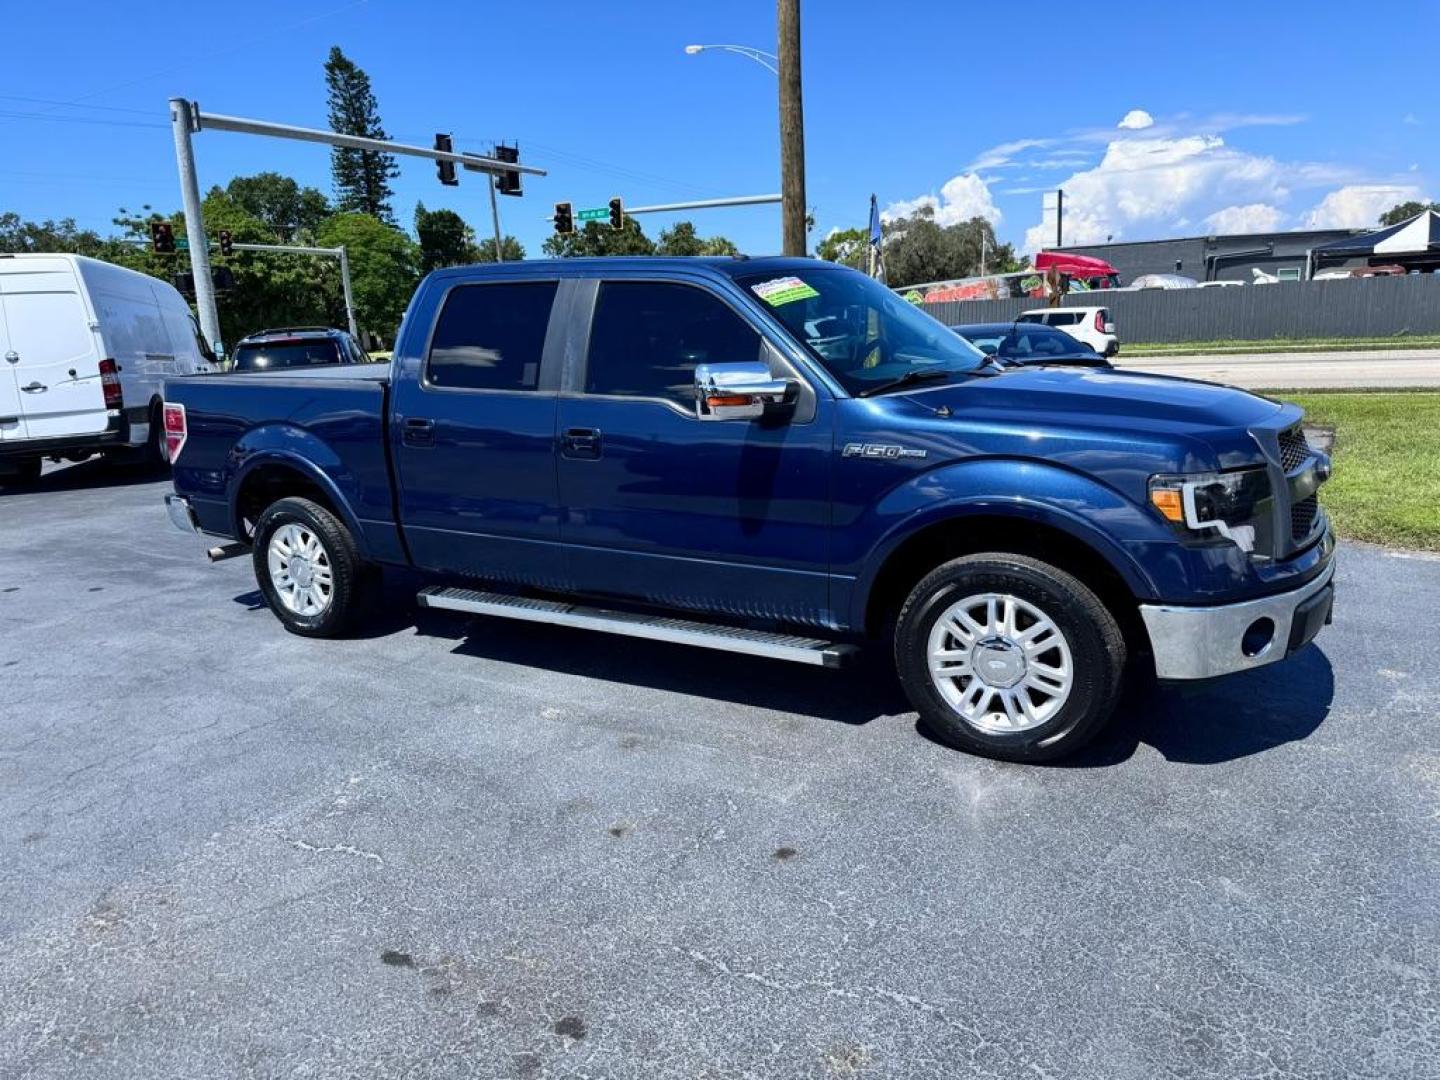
(782, 458)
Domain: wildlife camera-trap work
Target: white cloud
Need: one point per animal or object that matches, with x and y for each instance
(1358, 206)
(1136, 120)
(1002, 156)
(1250, 218)
(1146, 184)
(961, 198)
(1410, 120)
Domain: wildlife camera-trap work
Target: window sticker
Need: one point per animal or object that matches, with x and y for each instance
(785, 290)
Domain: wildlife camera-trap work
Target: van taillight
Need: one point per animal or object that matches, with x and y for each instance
(1100, 322)
(175, 429)
(110, 384)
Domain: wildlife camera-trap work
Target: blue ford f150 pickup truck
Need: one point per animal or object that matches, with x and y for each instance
(778, 457)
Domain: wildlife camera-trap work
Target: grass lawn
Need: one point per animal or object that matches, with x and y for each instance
(1386, 486)
(1269, 345)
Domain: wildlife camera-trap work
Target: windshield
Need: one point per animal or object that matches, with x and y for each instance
(864, 334)
(268, 356)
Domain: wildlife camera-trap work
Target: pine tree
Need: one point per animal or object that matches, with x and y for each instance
(361, 177)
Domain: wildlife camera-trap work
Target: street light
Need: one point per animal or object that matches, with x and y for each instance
(768, 61)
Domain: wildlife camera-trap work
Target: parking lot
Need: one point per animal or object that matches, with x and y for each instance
(455, 847)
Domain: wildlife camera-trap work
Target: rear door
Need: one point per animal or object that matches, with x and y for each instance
(473, 434)
(52, 351)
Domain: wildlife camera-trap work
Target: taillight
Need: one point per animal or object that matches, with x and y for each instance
(110, 384)
(175, 431)
(1100, 322)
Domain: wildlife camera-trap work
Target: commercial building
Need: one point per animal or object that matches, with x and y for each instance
(1220, 258)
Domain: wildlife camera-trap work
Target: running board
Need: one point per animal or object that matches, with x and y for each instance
(735, 639)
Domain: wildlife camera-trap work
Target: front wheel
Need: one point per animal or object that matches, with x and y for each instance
(1006, 656)
(308, 568)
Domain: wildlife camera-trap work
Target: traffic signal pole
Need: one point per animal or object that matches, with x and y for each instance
(183, 124)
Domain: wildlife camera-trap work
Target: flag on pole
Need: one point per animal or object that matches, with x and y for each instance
(877, 258)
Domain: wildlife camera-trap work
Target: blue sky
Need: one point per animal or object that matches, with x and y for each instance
(1240, 117)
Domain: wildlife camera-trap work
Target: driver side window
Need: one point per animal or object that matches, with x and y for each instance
(647, 337)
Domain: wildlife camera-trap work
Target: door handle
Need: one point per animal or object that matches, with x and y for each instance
(13, 356)
(34, 387)
(581, 443)
(418, 431)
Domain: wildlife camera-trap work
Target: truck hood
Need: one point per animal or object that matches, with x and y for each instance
(1104, 397)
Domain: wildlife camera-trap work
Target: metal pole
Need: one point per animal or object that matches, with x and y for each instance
(495, 217)
(704, 204)
(792, 128)
(181, 123)
(1059, 217)
(349, 296)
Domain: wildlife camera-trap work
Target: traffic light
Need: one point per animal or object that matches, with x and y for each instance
(162, 237)
(446, 169)
(508, 182)
(226, 247)
(564, 220)
(617, 214)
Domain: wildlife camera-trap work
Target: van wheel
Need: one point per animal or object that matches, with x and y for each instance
(1009, 657)
(155, 456)
(22, 472)
(308, 568)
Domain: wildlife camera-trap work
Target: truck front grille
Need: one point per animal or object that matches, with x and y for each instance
(1294, 449)
(1302, 517)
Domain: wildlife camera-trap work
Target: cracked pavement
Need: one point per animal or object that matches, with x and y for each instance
(454, 847)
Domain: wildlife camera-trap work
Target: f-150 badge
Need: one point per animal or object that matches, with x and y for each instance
(880, 450)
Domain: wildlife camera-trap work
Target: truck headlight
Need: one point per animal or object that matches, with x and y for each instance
(1229, 506)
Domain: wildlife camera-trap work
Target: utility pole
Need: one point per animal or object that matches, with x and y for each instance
(792, 128)
(495, 217)
(1059, 217)
(182, 123)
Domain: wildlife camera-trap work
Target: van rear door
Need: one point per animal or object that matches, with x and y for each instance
(56, 356)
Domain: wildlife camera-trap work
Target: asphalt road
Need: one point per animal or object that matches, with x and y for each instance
(1375, 369)
(469, 848)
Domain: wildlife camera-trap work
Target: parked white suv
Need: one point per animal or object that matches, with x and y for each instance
(84, 348)
(1091, 325)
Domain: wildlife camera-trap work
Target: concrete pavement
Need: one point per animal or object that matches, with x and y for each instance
(1375, 369)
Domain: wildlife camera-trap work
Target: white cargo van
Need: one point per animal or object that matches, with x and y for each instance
(84, 348)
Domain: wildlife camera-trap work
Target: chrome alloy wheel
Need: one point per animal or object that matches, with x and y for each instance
(1000, 662)
(300, 570)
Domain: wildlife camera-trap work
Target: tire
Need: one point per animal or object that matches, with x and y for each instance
(23, 472)
(296, 528)
(155, 455)
(1045, 625)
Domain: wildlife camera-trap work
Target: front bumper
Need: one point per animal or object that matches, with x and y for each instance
(1203, 642)
(182, 516)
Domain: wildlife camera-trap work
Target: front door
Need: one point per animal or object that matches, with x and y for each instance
(52, 351)
(729, 517)
(473, 435)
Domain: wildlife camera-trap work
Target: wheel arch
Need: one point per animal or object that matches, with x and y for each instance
(269, 476)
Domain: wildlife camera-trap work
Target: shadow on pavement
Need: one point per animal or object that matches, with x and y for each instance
(92, 473)
(1202, 724)
(1229, 718)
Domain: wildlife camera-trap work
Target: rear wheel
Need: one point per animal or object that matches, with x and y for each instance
(155, 455)
(308, 568)
(1007, 656)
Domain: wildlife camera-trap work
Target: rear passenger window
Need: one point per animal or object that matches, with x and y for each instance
(647, 337)
(490, 337)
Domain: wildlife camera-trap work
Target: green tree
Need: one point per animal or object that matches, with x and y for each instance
(511, 248)
(287, 210)
(597, 239)
(682, 239)
(361, 177)
(918, 249)
(445, 239)
(384, 265)
(845, 246)
(1405, 211)
(18, 235)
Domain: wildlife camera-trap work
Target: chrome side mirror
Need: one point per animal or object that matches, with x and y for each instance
(739, 391)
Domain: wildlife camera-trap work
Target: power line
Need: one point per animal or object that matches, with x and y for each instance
(8, 114)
